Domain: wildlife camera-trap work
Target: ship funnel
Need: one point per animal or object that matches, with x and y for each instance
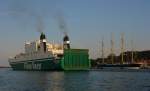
(42, 37)
(43, 42)
(66, 42)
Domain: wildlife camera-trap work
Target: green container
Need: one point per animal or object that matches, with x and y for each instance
(75, 59)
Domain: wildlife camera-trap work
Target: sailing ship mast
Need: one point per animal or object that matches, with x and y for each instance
(132, 52)
(112, 49)
(103, 60)
(122, 48)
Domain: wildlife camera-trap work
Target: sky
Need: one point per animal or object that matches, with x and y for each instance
(87, 23)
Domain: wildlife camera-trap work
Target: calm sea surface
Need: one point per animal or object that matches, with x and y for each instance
(73, 81)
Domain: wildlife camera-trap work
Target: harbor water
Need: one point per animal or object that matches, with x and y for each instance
(74, 80)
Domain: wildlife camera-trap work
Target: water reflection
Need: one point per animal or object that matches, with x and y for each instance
(55, 81)
(67, 81)
(73, 81)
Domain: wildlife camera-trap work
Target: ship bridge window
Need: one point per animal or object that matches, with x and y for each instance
(38, 47)
(60, 55)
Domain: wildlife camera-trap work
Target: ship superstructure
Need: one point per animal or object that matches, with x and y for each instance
(39, 49)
